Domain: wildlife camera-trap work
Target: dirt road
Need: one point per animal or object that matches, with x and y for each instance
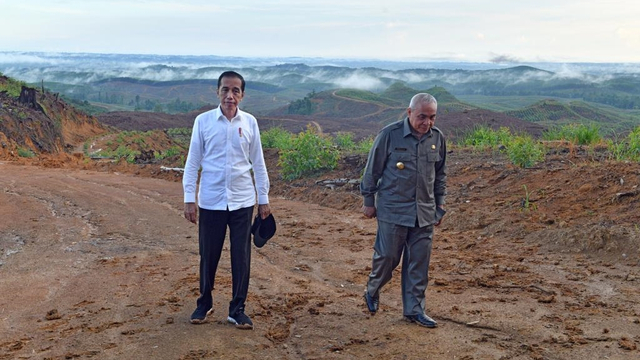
(103, 265)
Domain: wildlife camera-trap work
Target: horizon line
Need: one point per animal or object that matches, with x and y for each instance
(317, 58)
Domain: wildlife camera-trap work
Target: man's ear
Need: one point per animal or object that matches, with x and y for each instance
(409, 111)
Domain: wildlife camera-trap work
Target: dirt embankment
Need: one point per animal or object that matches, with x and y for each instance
(536, 263)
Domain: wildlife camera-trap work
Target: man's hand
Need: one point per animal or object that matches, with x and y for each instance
(191, 212)
(264, 210)
(439, 222)
(369, 211)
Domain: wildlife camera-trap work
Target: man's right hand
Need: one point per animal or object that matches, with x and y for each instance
(369, 211)
(191, 212)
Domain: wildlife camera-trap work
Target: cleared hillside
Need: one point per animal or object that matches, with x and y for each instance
(551, 112)
(33, 122)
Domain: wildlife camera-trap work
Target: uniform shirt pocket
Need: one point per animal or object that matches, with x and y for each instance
(402, 164)
(433, 156)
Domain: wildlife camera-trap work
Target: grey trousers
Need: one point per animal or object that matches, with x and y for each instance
(413, 244)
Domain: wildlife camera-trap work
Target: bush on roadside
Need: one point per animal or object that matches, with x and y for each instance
(344, 141)
(276, 138)
(309, 153)
(364, 146)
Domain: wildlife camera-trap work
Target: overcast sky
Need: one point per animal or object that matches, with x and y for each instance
(457, 30)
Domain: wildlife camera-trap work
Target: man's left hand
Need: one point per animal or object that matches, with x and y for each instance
(264, 210)
(439, 222)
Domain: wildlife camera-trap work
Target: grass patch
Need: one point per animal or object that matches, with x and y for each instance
(12, 87)
(522, 150)
(627, 149)
(578, 134)
(485, 137)
(25, 153)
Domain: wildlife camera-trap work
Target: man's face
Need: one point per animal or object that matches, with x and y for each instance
(230, 94)
(423, 117)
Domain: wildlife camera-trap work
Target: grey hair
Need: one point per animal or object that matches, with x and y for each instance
(422, 98)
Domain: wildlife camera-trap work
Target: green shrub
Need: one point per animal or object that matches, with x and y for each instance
(179, 131)
(618, 150)
(485, 137)
(24, 152)
(578, 134)
(172, 151)
(169, 153)
(627, 149)
(12, 87)
(121, 152)
(633, 141)
(344, 141)
(364, 146)
(524, 151)
(309, 153)
(276, 138)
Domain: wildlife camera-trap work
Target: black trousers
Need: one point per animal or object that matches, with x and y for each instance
(212, 231)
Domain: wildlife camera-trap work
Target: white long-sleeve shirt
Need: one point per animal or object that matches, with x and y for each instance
(227, 151)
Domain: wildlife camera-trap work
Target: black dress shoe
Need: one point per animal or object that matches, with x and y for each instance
(422, 320)
(372, 303)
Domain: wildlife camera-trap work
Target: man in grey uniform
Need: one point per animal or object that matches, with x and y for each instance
(404, 186)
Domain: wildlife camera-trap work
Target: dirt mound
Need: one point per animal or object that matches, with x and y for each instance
(37, 122)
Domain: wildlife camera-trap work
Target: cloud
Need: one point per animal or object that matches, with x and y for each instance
(359, 81)
(504, 59)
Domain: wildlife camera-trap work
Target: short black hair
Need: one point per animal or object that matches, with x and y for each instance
(231, 74)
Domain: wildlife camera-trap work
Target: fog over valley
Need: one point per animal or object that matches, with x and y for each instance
(177, 83)
(78, 68)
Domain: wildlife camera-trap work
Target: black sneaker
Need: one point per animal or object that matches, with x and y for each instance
(199, 316)
(372, 303)
(422, 320)
(241, 321)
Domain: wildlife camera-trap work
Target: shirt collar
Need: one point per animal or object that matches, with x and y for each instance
(408, 130)
(220, 115)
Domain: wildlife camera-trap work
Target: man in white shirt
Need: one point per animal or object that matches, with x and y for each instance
(225, 143)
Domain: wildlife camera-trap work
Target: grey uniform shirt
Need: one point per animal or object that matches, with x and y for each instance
(405, 178)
